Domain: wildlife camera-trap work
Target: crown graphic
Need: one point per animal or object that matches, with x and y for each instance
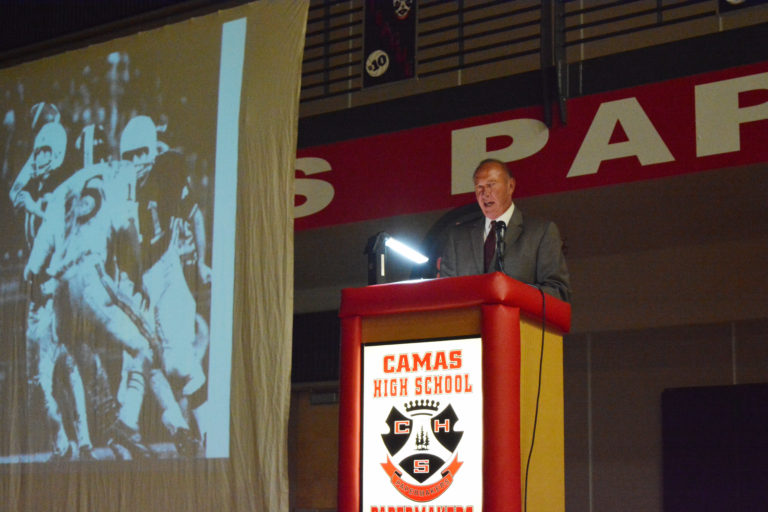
(422, 405)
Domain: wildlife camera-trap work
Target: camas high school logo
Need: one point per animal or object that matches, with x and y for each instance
(422, 449)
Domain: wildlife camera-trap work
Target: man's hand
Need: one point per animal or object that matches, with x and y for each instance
(49, 287)
(204, 271)
(29, 274)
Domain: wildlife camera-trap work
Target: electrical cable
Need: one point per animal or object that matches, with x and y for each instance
(538, 395)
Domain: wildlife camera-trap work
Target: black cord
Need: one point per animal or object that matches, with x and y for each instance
(538, 395)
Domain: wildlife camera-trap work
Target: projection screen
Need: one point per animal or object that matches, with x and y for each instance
(146, 267)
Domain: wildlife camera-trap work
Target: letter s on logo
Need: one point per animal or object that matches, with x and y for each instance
(318, 193)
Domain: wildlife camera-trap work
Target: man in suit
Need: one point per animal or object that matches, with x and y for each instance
(533, 250)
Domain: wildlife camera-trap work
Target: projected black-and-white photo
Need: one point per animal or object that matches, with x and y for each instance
(105, 260)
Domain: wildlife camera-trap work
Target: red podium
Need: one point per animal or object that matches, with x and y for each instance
(417, 342)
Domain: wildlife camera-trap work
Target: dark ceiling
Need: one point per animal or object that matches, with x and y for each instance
(29, 26)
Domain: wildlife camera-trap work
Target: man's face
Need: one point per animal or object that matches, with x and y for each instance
(493, 190)
(42, 160)
(143, 161)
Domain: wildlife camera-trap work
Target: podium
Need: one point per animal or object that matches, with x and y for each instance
(445, 385)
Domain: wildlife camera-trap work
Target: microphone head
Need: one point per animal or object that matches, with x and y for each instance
(501, 228)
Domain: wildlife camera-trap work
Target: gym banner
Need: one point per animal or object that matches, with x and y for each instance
(389, 41)
(693, 124)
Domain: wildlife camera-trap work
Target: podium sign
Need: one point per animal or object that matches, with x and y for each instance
(422, 427)
(443, 384)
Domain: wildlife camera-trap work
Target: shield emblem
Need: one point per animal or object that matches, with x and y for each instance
(423, 441)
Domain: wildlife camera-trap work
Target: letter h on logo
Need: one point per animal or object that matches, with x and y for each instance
(444, 425)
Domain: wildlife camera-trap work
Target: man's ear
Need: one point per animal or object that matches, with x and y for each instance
(512, 184)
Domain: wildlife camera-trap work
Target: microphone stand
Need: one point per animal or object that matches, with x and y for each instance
(501, 245)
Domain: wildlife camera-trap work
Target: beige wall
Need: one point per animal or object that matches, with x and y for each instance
(696, 284)
(313, 452)
(613, 387)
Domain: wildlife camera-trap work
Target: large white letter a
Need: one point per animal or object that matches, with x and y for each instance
(644, 141)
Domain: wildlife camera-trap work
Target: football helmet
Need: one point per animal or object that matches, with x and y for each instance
(138, 143)
(49, 148)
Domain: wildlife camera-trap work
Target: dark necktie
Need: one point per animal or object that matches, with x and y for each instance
(490, 246)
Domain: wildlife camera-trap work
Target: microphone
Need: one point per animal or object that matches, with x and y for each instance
(501, 245)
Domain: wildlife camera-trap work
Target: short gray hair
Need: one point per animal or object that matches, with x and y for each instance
(493, 161)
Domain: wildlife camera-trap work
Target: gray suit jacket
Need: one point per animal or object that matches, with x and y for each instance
(534, 253)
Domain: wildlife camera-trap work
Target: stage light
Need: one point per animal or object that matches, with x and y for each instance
(376, 249)
(402, 249)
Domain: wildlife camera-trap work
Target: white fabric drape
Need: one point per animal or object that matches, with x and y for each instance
(173, 75)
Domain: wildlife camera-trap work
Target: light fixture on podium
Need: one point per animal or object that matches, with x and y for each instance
(376, 249)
